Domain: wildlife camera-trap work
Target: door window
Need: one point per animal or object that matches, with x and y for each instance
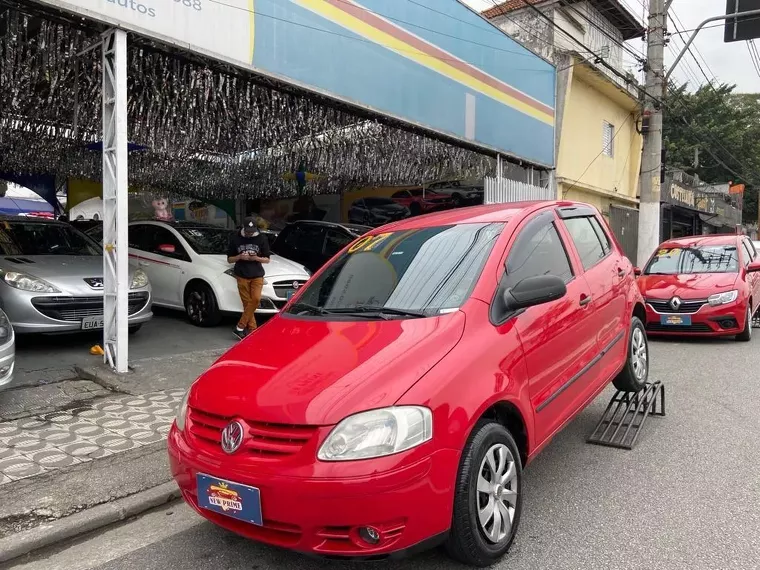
(538, 250)
(141, 236)
(591, 245)
(309, 238)
(335, 242)
(162, 236)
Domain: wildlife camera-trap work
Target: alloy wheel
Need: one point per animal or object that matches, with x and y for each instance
(639, 356)
(497, 493)
(197, 306)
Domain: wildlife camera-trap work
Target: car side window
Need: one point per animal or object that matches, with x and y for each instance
(289, 237)
(141, 236)
(335, 242)
(748, 253)
(587, 241)
(359, 203)
(538, 250)
(601, 233)
(311, 239)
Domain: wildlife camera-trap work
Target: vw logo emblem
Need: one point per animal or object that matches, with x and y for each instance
(675, 302)
(296, 284)
(232, 437)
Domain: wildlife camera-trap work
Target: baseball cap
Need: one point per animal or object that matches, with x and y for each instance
(251, 225)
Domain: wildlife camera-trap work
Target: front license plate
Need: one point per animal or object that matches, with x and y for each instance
(290, 293)
(92, 323)
(675, 320)
(230, 499)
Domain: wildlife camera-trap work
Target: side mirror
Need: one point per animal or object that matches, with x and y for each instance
(637, 271)
(754, 267)
(167, 248)
(534, 291)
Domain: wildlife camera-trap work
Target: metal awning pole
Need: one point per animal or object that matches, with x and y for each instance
(115, 255)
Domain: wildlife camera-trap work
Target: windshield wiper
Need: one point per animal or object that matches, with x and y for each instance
(373, 310)
(312, 309)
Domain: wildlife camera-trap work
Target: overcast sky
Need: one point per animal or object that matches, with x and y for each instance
(729, 63)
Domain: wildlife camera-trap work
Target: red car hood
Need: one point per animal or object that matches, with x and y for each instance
(310, 372)
(695, 286)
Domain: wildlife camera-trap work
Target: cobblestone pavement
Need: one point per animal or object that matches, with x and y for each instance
(86, 431)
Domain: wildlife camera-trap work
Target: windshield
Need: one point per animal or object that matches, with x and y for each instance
(424, 271)
(207, 241)
(376, 202)
(30, 238)
(690, 260)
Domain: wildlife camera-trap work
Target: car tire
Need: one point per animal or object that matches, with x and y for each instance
(746, 334)
(633, 377)
(134, 328)
(469, 541)
(201, 307)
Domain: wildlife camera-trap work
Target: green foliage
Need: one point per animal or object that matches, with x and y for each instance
(725, 127)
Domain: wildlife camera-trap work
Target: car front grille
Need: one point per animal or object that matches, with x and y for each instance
(75, 309)
(687, 306)
(281, 288)
(694, 328)
(262, 439)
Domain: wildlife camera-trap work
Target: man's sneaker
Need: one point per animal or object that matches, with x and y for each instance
(240, 334)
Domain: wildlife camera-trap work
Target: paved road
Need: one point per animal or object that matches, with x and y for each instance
(168, 332)
(688, 496)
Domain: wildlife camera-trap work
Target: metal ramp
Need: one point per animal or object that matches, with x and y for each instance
(626, 414)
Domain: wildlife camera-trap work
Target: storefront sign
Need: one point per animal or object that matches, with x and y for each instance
(679, 195)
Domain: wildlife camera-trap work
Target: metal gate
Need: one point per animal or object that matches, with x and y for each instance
(625, 225)
(503, 190)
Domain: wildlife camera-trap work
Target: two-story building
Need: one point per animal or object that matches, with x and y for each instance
(598, 140)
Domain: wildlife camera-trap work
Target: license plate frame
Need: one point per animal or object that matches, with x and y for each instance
(675, 320)
(229, 498)
(93, 323)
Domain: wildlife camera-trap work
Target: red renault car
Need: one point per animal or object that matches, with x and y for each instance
(393, 403)
(702, 286)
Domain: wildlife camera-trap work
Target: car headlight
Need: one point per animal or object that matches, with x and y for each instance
(26, 282)
(139, 280)
(6, 329)
(377, 433)
(182, 411)
(722, 298)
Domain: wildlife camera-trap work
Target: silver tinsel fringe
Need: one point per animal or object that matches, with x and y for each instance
(207, 133)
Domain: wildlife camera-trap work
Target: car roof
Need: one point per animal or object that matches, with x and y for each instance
(492, 213)
(702, 241)
(352, 227)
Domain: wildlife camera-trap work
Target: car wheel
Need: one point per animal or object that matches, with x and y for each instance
(201, 306)
(633, 377)
(133, 329)
(488, 497)
(746, 334)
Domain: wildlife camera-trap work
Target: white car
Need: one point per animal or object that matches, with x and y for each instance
(186, 263)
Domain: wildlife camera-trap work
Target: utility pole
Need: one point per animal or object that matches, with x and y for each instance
(651, 159)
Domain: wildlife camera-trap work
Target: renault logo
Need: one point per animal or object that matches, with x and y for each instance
(675, 302)
(232, 437)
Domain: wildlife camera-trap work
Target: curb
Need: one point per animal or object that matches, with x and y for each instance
(45, 535)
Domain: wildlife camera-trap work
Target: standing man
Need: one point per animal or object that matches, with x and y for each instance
(248, 250)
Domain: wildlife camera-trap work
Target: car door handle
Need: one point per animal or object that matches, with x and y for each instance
(585, 300)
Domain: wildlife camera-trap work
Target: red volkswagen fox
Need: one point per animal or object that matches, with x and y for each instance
(394, 402)
(702, 286)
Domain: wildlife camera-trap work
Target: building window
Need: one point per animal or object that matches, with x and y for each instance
(608, 139)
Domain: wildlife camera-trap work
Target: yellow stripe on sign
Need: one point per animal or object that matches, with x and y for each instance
(252, 18)
(354, 24)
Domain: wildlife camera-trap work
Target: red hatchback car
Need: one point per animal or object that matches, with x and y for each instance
(393, 403)
(702, 286)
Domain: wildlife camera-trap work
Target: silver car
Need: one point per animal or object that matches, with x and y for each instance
(51, 279)
(7, 351)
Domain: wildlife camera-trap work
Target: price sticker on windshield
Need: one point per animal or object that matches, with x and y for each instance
(368, 243)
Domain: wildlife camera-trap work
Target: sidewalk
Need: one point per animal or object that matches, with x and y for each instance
(104, 444)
